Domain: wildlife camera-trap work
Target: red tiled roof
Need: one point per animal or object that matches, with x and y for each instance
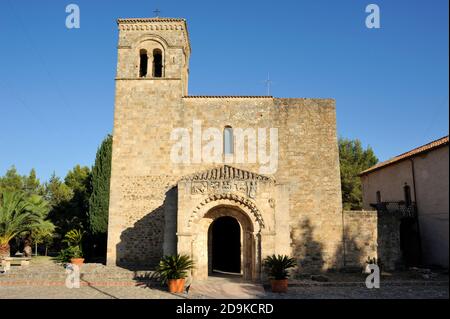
(139, 20)
(419, 150)
(227, 97)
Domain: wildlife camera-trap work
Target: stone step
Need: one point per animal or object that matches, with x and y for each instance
(62, 283)
(111, 274)
(86, 276)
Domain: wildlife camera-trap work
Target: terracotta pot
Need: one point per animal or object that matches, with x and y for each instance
(77, 261)
(176, 285)
(279, 285)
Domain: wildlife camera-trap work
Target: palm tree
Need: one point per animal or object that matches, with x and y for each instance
(18, 214)
(42, 228)
(43, 234)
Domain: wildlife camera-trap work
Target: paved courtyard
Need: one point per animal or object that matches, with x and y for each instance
(130, 292)
(45, 279)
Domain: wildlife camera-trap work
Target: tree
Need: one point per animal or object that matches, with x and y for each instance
(42, 228)
(58, 195)
(79, 181)
(56, 192)
(353, 160)
(32, 185)
(18, 215)
(43, 235)
(99, 200)
(12, 181)
(69, 200)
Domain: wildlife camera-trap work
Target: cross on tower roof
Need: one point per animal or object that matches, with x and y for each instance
(156, 12)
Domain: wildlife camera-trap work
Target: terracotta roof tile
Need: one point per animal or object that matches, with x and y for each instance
(139, 20)
(227, 97)
(419, 150)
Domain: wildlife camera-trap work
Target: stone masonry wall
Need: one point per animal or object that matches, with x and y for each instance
(389, 241)
(360, 237)
(369, 234)
(143, 182)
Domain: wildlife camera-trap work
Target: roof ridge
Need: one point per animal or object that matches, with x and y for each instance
(150, 19)
(228, 96)
(442, 140)
(415, 151)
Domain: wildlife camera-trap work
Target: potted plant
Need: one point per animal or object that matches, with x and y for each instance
(174, 270)
(73, 238)
(76, 255)
(277, 270)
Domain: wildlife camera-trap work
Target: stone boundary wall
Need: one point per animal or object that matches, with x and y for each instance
(360, 237)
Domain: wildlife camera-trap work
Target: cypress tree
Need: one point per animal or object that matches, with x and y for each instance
(99, 200)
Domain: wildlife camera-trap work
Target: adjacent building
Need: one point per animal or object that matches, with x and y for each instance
(414, 185)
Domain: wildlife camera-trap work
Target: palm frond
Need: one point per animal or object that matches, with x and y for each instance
(277, 266)
(173, 267)
(19, 214)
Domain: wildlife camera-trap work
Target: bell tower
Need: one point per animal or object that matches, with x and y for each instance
(151, 80)
(154, 49)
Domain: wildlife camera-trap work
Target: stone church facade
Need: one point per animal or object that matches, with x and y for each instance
(158, 207)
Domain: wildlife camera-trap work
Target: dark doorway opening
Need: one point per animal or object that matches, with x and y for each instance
(409, 241)
(226, 245)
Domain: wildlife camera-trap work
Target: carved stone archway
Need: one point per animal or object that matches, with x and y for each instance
(201, 251)
(225, 191)
(228, 199)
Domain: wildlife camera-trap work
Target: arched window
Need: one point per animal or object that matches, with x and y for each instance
(157, 63)
(378, 197)
(228, 147)
(407, 192)
(143, 63)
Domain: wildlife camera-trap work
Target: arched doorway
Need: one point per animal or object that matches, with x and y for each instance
(224, 242)
(234, 231)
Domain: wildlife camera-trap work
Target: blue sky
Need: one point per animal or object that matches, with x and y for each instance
(390, 84)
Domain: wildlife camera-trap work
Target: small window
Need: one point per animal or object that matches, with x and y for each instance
(378, 197)
(157, 63)
(228, 147)
(407, 192)
(143, 64)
